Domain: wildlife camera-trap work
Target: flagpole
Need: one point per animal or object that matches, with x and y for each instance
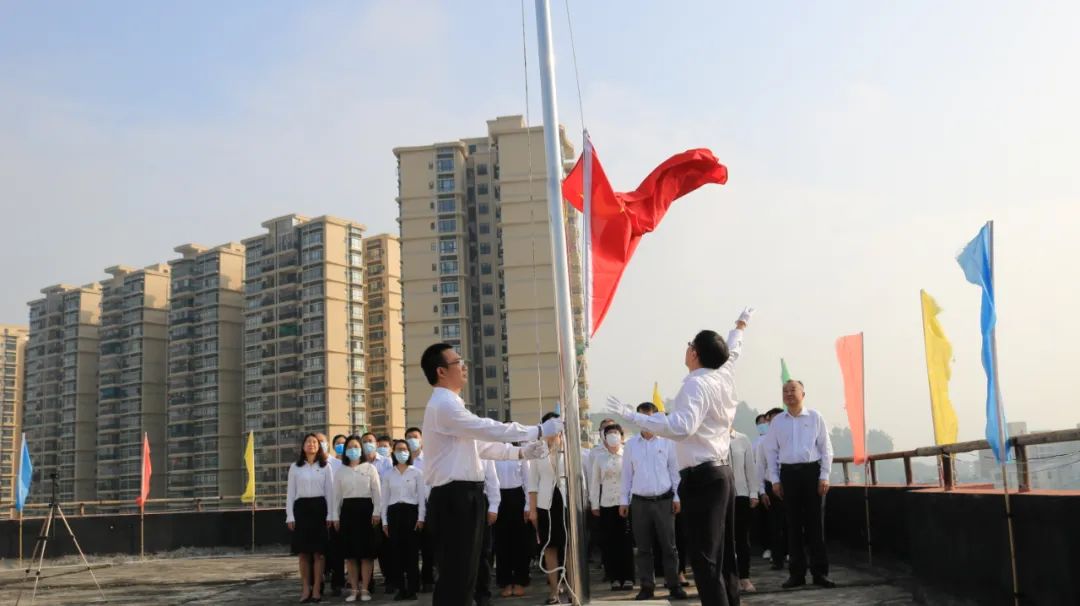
(586, 273)
(1001, 425)
(142, 504)
(576, 566)
(20, 537)
(866, 447)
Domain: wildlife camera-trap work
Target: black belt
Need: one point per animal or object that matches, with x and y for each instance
(808, 465)
(660, 497)
(686, 472)
(460, 484)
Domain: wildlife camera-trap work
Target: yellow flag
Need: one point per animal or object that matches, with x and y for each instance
(249, 462)
(656, 399)
(938, 358)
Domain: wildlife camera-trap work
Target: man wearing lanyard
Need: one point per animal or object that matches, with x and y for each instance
(799, 454)
(455, 441)
(699, 420)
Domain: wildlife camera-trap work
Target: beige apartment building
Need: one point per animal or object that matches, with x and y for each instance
(205, 372)
(385, 348)
(61, 391)
(12, 366)
(477, 269)
(304, 350)
(132, 380)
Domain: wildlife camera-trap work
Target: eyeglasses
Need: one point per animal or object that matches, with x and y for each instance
(460, 361)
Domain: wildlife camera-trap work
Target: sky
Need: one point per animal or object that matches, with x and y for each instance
(866, 144)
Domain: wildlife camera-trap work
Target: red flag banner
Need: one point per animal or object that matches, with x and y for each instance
(849, 351)
(619, 220)
(144, 491)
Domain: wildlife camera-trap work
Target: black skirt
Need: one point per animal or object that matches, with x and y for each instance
(359, 539)
(309, 534)
(553, 520)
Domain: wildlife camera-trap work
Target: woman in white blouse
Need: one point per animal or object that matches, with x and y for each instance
(547, 509)
(308, 503)
(403, 511)
(357, 515)
(605, 486)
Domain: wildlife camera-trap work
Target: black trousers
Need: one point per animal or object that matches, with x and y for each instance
(456, 514)
(514, 538)
(427, 558)
(707, 493)
(335, 561)
(482, 594)
(742, 535)
(404, 545)
(616, 544)
(777, 521)
(805, 518)
(760, 532)
(386, 565)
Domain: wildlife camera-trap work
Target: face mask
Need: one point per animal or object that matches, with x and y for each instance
(324, 446)
(384, 451)
(402, 456)
(612, 439)
(414, 444)
(353, 454)
(339, 449)
(762, 429)
(369, 448)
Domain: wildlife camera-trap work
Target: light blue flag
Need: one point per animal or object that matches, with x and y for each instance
(26, 475)
(975, 261)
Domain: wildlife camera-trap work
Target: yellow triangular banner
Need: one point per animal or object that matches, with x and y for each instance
(249, 462)
(656, 399)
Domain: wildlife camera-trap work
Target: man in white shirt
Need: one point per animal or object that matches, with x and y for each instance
(455, 441)
(414, 437)
(699, 420)
(493, 495)
(650, 481)
(774, 518)
(746, 493)
(799, 454)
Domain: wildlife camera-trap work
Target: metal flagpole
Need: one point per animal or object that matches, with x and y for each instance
(20, 538)
(586, 207)
(866, 445)
(1001, 427)
(576, 564)
(142, 506)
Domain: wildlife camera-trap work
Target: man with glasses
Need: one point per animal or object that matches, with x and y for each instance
(455, 441)
(699, 420)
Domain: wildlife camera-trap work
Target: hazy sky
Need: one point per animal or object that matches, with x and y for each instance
(866, 143)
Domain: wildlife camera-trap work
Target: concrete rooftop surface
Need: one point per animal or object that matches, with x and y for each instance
(249, 579)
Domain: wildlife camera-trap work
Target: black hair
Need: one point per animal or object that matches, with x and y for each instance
(345, 460)
(613, 427)
(606, 422)
(647, 408)
(340, 435)
(383, 438)
(711, 349)
(758, 419)
(550, 415)
(433, 360)
(393, 449)
(412, 429)
(772, 412)
(366, 434)
(320, 456)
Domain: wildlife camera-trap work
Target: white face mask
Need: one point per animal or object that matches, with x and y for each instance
(612, 439)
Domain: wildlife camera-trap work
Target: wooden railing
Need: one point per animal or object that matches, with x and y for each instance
(946, 452)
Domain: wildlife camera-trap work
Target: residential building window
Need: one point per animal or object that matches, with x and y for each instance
(447, 225)
(483, 208)
(489, 351)
(450, 309)
(451, 331)
(481, 169)
(485, 228)
(489, 309)
(446, 205)
(481, 189)
(489, 330)
(448, 289)
(492, 393)
(487, 288)
(448, 267)
(485, 269)
(444, 165)
(447, 247)
(485, 248)
(445, 184)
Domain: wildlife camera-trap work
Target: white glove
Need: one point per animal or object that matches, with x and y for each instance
(614, 407)
(744, 317)
(551, 427)
(534, 450)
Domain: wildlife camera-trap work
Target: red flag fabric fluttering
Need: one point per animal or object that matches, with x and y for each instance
(144, 491)
(619, 220)
(849, 352)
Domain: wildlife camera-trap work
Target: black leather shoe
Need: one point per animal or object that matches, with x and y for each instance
(793, 582)
(824, 581)
(677, 593)
(646, 593)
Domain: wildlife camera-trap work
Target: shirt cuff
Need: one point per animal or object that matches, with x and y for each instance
(775, 479)
(824, 475)
(494, 509)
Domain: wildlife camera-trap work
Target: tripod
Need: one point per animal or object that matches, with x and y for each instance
(42, 541)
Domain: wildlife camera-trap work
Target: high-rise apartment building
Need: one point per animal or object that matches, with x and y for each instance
(12, 361)
(205, 372)
(477, 269)
(385, 348)
(303, 338)
(61, 391)
(132, 380)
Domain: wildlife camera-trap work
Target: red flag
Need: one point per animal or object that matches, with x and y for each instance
(619, 220)
(144, 491)
(849, 351)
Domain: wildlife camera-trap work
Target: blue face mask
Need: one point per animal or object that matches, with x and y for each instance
(762, 428)
(402, 456)
(339, 449)
(369, 447)
(353, 454)
(414, 444)
(384, 451)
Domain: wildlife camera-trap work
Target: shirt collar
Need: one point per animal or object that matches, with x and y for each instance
(805, 411)
(697, 373)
